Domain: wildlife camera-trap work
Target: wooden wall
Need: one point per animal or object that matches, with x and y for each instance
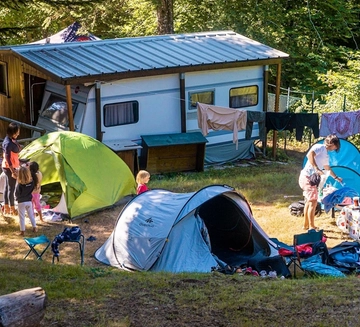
(16, 104)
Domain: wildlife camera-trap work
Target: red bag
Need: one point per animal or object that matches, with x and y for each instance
(304, 250)
(285, 252)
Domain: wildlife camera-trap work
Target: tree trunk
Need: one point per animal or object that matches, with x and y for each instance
(165, 17)
(25, 308)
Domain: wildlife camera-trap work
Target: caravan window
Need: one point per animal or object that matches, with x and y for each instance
(56, 110)
(206, 97)
(244, 96)
(121, 113)
(3, 79)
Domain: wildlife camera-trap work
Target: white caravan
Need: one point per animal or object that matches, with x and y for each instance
(150, 105)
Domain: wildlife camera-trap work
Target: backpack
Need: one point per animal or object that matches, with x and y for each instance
(297, 208)
(345, 257)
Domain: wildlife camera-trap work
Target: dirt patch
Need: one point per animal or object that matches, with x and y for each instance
(96, 229)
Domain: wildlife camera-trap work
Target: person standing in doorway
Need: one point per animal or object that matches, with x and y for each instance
(10, 164)
(317, 163)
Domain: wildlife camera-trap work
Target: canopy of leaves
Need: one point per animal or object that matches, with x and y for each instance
(321, 36)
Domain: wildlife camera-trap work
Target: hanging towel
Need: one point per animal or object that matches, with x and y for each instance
(220, 118)
(342, 124)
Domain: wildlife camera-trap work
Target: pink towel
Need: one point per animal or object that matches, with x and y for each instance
(221, 118)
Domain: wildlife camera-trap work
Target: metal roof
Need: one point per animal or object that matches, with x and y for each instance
(142, 56)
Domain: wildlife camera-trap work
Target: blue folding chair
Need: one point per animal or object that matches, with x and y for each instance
(36, 243)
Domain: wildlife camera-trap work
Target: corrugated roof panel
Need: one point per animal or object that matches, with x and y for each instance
(71, 62)
(168, 59)
(47, 62)
(90, 57)
(180, 54)
(140, 54)
(193, 51)
(93, 58)
(245, 48)
(120, 59)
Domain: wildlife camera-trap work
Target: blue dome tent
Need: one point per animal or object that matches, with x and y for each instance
(185, 232)
(348, 156)
(349, 176)
(346, 164)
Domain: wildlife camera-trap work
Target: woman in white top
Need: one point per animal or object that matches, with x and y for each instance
(318, 161)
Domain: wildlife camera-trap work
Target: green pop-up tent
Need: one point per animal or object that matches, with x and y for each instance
(91, 175)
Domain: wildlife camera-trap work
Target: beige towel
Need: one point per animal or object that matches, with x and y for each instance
(221, 118)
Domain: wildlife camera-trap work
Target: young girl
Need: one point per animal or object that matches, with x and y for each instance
(142, 178)
(23, 194)
(37, 177)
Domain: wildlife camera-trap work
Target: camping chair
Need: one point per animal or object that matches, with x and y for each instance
(34, 242)
(298, 251)
(81, 241)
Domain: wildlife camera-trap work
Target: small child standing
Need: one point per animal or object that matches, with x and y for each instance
(37, 178)
(23, 194)
(142, 178)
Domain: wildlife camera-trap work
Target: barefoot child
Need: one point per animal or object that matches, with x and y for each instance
(23, 193)
(142, 178)
(37, 177)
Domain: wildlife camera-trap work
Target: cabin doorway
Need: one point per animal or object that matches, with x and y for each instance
(34, 91)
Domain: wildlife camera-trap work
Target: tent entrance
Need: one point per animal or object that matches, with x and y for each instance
(233, 237)
(52, 193)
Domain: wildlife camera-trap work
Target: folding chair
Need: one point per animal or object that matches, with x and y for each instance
(81, 242)
(303, 240)
(293, 254)
(34, 242)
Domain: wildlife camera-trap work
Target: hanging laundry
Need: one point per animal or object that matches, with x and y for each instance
(308, 120)
(280, 121)
(286, 121)
(258, 117)
(221, 118)
(342, 124)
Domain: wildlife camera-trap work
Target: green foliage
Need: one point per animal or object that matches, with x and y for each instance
(321, 37)
(344, 83)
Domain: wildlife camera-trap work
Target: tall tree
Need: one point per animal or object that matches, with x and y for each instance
(165, 16)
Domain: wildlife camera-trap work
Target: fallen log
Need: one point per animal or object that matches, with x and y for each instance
(25, 308)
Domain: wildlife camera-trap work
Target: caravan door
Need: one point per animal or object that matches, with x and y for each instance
(53, 115)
